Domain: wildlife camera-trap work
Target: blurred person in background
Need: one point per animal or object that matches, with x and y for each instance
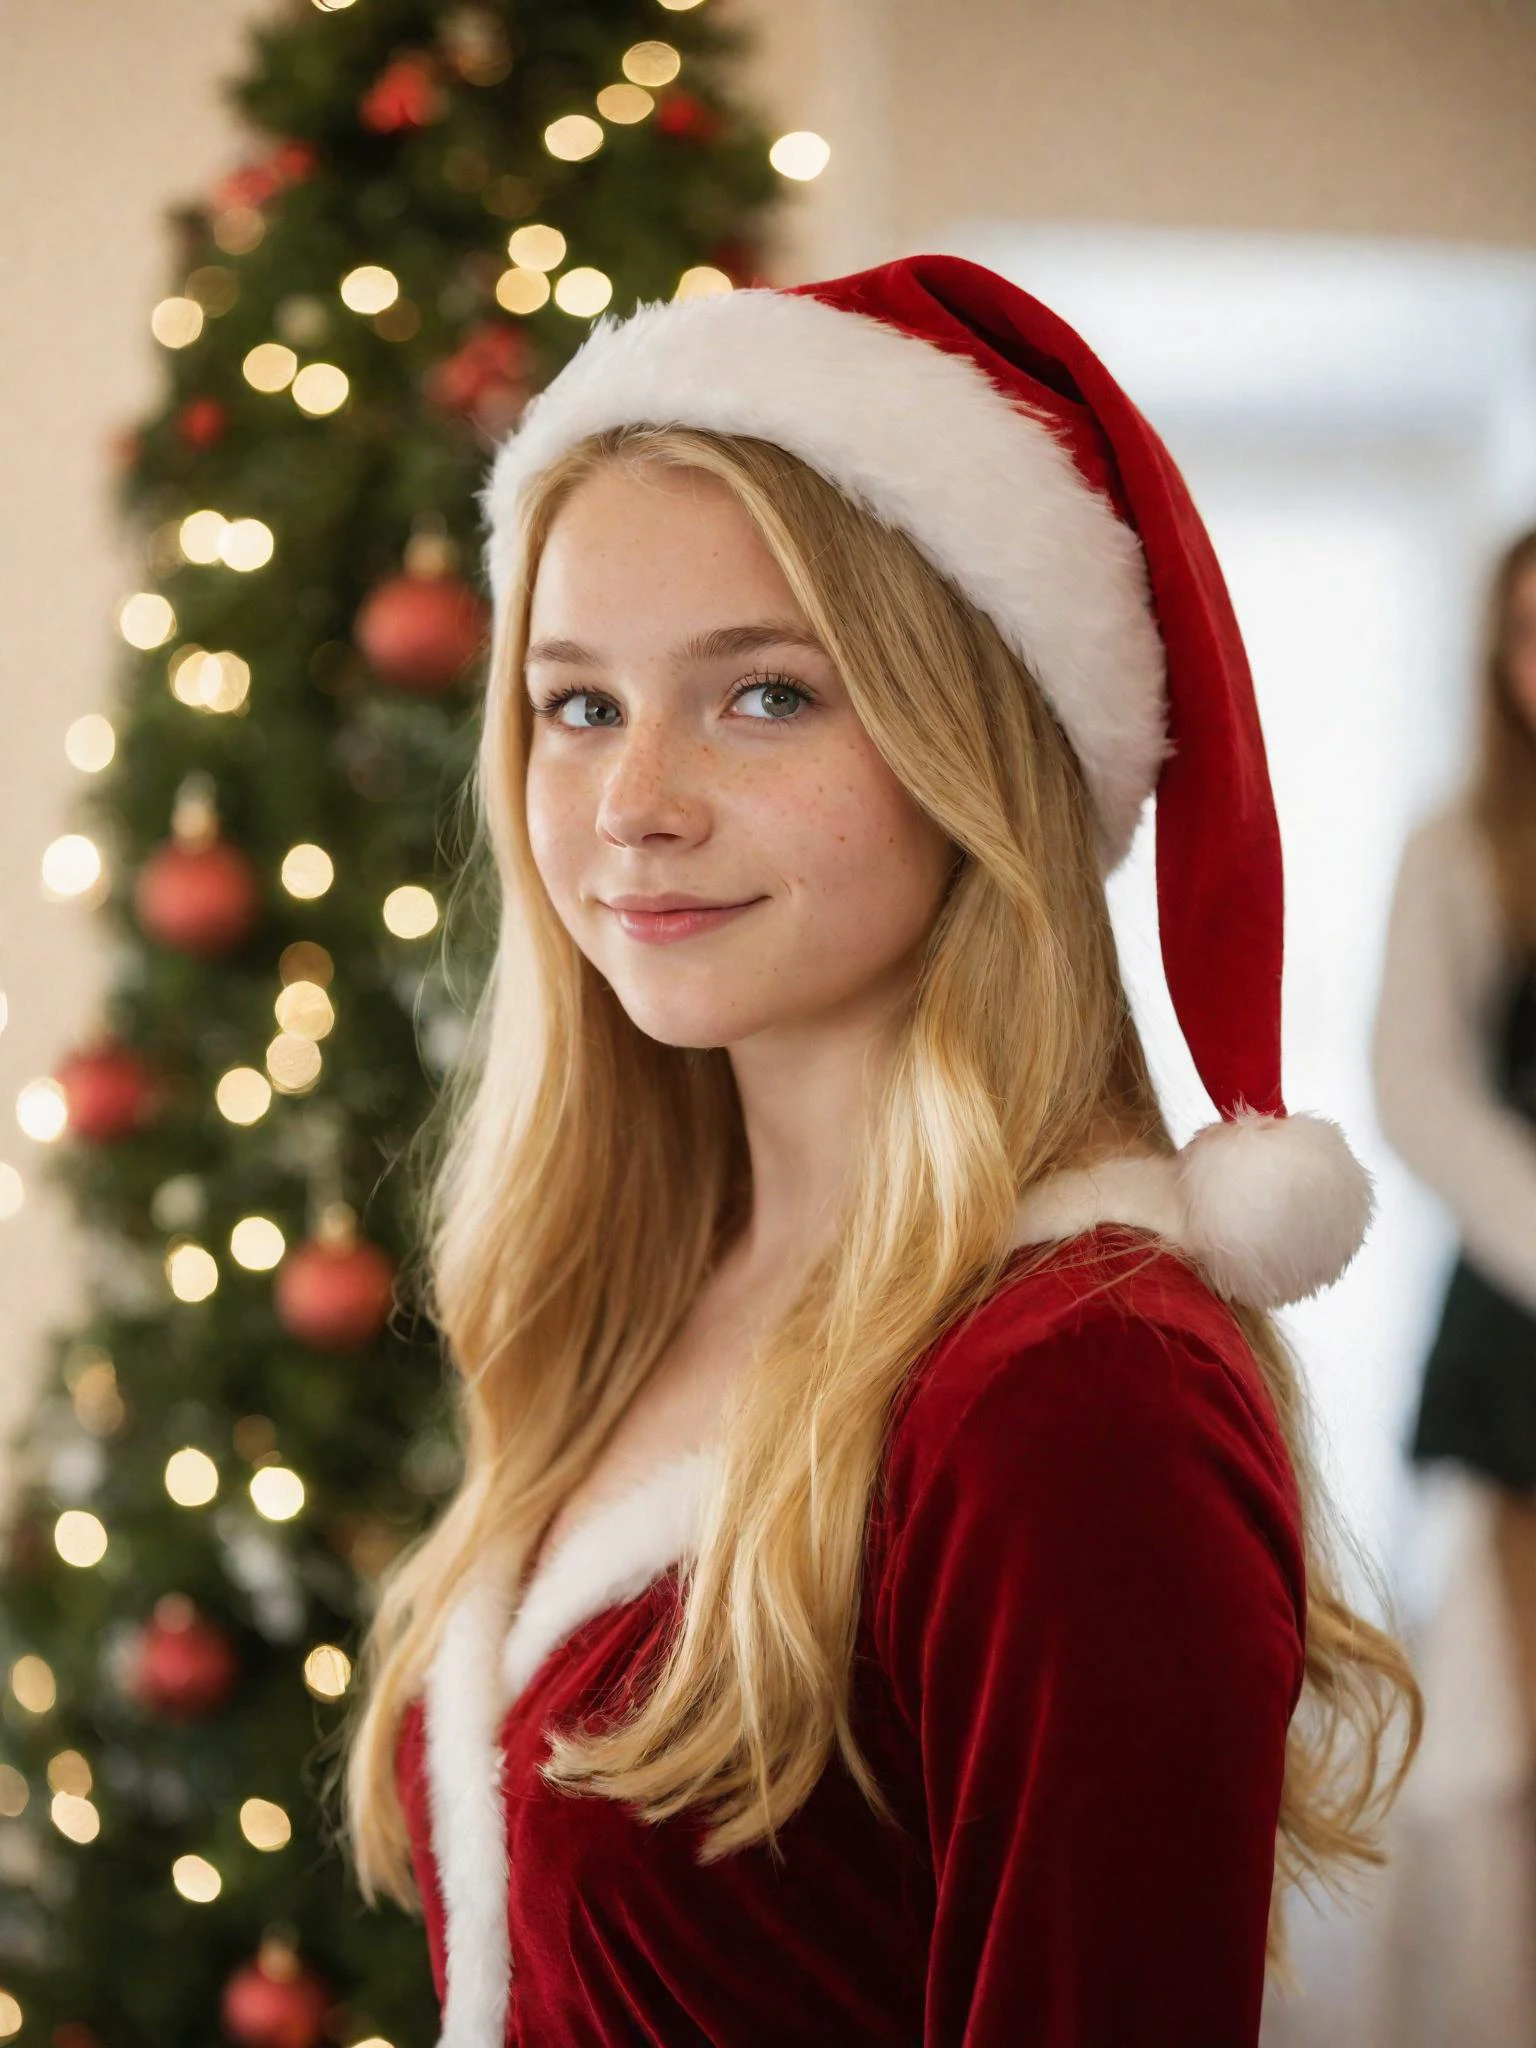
(1455, 1073)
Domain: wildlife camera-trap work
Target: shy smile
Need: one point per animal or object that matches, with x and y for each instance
(661, 927)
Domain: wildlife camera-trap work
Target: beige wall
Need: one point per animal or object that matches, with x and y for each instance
(1406, 117)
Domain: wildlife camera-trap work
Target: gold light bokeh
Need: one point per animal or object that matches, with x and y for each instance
(624, 104)
(270, 366)
(410, 912)
(703, 281)
(192, 1271)
(146, 620)
(243, 1095)
(191, 1478)
(33, 1685)
(74, 1817)
(257, 1243)
(277, 1493)
(71, 866)
(802, 154)
(293, 1062)
(307, 871)
(42, 1111)
(246, 544)
(537, 246)
(574, 137)
(265, 1825)
(583, 291)
(79, 1538)
(320, 388)
(176, 322)
(305, 1008)
(522, 291)
(650, 63)
(327, 1671)
(369, 288)
(196, 1879)
(90, 743)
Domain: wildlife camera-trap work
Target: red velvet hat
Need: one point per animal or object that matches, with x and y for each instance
(954, 406)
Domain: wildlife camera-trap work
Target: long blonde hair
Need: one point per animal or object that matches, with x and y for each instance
(1504, 783)
(592, 1176)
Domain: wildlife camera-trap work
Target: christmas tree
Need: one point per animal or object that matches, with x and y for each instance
(252, 1417)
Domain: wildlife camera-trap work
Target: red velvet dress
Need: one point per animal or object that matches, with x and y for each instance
(1079, 1649)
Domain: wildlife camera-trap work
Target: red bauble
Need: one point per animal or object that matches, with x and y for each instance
(254, 183)
(198, 898)
(486, 379)
(335, 1296)
(275, 2002)
(404, 95)
(109, 1093)
(184, 1666)
(683, 113)
(420, 632)
(202, 423)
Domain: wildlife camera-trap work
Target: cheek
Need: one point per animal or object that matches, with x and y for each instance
(868, 863)
(559, 823)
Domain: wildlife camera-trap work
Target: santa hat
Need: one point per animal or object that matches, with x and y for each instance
(952, 405)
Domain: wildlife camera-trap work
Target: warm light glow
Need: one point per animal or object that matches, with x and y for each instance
(522, 291)
(69, 1772)
(42, 1111)
(11, 2017)
(270, 366)
(75, 1817)
(192, 1272)
(583, 291)
(176, 322)
(71, 867)
(307, 871)
(265, 1825)
(369, 288)
(802, 154)
(208, 682)
(304, 1007)
(196, 1879)
(327, 1671)
(92, 1383)
(410, 912)
(32, 1683)
(90, 743)
(13, 1792)
(243, 1095)
(305, 961)
(245, 544)
(672, 6)
(537, 247)
(703, 281)
(332, 6)
(278, 1493)
(238, 230)
(79, 1538)
(200, 534)
(573, 138)
(12, 1192)
(257, 1244)
(191, 1478)
(651, 63)
(293, 1062)
(320, 388)
(146, 620)
(624, 104)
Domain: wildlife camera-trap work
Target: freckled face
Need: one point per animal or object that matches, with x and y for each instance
(737, 772)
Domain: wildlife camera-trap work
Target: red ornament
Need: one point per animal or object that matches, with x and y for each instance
(197, 896)
(184, 1667)
(486, 380)
(109, 1093)
(255, 183)
(404, 95)
(420, 632)
(683, 113)
(275, 2001)
(334, 1292)
(202, 423)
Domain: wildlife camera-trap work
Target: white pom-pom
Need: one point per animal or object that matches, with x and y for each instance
(1275, 1207)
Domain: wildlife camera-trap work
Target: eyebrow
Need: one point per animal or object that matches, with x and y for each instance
(717, 645)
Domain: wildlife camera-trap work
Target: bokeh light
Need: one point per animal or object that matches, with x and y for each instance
(42, 1111)
(583, 291)
(90, 743)
(257, 1243)
(369, 288)
(574, 137)
(270, 366)
(410, 912)
(320, 388)
(327, 1671)
(243, 1095)
(277, 1493)
(192, 1271)
(802, 154)
(307, 871)
(191, 1478)
(79, 1538)
(196, 1879)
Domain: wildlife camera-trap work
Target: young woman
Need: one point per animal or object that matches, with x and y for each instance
(888, 1599)
(1455, 1059)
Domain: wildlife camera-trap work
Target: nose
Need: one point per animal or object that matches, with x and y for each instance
(655, 779)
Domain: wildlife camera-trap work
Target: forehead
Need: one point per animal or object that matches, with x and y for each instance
(668, 558)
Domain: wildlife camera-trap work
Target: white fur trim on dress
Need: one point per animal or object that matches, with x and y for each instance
(926, 441)
(484, 1659)
(1271, 1208)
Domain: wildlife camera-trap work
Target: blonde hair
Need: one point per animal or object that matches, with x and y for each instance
(592, 1176)
(1504, 783)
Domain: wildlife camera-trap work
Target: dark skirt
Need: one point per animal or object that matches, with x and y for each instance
(1477, 1404)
